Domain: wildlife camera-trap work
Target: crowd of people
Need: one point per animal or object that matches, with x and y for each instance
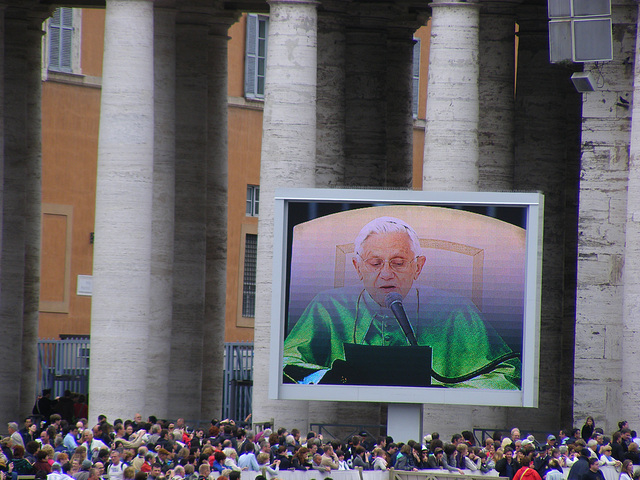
(63, 449)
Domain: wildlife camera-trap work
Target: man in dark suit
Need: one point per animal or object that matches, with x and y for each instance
(507, 466)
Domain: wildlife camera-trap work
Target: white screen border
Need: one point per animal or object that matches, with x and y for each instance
(526, 397)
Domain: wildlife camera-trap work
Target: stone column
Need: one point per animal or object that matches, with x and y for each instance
(451, 136)
(496, 85)
(33, 213)
(159, 328)
(399, 118)
(330, 156)
(3, 8)
(12, 255)
(288, 158)
(451, 145)
(124, 196)
(547, 136)
(629, 394)
(190, 213)
(365, 111)
(216, 222)
(331, 161)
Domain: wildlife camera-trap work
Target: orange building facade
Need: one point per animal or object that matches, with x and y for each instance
(70, 121)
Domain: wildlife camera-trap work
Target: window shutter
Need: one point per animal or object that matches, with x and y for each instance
(251, 56)
(65, 49)
(66, 38)
(66, 15)
(54, 39)
(263, 35)
(416, 77)
(54, 46)
(61, 39)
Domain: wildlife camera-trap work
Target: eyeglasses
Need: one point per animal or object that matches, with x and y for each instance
(398, 265)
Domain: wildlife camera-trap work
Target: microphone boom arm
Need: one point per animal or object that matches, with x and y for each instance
(393, 300)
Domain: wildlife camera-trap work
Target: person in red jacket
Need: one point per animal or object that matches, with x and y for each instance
(527, 472)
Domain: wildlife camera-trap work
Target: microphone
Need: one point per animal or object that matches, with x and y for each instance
(393, 300)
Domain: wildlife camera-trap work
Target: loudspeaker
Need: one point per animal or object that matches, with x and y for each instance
(584, 82)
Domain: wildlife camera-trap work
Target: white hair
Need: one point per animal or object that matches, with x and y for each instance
(179, 470)
(229, 452)
(387, 225)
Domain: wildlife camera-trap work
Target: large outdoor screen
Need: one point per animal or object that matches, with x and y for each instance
(406, 296)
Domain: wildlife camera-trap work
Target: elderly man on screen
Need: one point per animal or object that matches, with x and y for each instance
(466, 351)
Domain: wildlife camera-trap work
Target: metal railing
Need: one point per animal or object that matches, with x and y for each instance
(63, 365)
(441, 475)
(481, 434)
(344, 431)
(238, 380)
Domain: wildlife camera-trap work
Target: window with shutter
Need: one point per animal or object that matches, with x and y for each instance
(416, 77)
(61, 40)
(256, 55)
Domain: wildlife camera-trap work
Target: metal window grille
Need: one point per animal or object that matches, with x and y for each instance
(249, 282)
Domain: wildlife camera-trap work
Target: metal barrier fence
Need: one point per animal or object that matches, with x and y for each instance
(441, 475)
(344, 431)
(481, 434)
(238, 380)
(63, 365)
(360, 474)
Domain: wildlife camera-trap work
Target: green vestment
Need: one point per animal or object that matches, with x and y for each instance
(452, 326)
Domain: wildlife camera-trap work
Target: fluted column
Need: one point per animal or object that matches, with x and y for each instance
(33, 210)
(497, 91)
(399, 117)
(451, 137)
(216, 222)
(159, 328)
(330, 145)
(124, 195)
(288, 158)
(190, 213)
(12, 261)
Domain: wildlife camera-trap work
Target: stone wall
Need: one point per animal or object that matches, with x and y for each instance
(603, 211)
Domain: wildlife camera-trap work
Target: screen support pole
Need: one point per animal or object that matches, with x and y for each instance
(404, 421)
